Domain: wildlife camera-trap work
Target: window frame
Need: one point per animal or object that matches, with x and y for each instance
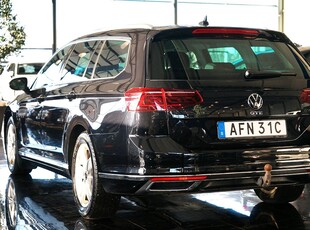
(67, 55)
(245, 51)
(114, 38)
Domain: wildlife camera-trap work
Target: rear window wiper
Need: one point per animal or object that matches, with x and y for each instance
(250, 74)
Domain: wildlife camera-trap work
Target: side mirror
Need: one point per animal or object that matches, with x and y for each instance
(20, 83)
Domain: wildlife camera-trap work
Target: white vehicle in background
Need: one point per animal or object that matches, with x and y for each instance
(18, 68)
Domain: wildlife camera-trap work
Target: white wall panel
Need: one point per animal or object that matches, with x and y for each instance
(296, 21)
(250, 13)
(76, 17)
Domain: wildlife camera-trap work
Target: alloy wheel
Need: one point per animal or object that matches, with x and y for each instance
(84, 175)
(11, 204)
(11, 145)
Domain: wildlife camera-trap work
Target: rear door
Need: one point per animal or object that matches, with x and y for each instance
(58, 104)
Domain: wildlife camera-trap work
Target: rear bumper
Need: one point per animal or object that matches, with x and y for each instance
(163, 156)
(142, 184)
(159, 164)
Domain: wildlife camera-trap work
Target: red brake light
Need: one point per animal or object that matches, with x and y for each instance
(180, 178)
(305, 96)
(247, 32)
(159, 99)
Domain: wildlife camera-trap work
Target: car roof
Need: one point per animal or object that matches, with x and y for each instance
(126, 29)
(153, 30)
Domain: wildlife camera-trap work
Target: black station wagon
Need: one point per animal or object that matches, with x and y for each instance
(166, 110)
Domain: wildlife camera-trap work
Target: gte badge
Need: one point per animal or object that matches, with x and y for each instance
(255, 101)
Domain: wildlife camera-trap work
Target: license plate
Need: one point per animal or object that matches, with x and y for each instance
(246, 129)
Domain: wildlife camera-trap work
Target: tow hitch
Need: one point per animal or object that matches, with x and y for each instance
(265, 181)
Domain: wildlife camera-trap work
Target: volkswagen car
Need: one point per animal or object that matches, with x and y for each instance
(138, 111)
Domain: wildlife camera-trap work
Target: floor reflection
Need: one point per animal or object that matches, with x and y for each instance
(261, 215)
(37, 203)
(44, 200)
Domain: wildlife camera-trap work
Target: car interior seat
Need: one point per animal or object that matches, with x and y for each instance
(179, 64)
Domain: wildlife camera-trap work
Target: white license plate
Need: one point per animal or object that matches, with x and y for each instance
(257, 128)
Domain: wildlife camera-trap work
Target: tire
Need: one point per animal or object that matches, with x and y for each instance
(15, 163)
(278, 195)
(92, 201)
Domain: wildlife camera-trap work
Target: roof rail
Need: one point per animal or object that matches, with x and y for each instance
(129, 26)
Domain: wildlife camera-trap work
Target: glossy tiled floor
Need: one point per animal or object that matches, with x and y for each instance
(44, 201)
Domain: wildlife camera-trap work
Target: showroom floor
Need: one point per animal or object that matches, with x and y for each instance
(44, 201)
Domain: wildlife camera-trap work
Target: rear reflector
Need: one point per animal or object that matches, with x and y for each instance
(227, 31)
(159, 99)
(181, 178)
(305, 96)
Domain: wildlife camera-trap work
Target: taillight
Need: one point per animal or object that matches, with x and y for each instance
(178, 178)
(305, 96)
(247, 32)
(159, 99)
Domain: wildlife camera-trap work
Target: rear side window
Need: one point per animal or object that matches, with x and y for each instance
(112, 59)
(207, 58)
(76, 66)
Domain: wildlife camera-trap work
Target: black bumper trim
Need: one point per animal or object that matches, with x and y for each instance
(211, 176)
(141, 184)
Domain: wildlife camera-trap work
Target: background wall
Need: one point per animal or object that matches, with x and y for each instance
(77, 17)
(296, 21)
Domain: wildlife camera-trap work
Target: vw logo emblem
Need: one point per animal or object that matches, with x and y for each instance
(255, 101)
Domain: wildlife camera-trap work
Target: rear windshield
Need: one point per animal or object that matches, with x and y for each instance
(205, 58)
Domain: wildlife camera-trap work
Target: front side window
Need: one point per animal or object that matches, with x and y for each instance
(93, 60)
(50, 73)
